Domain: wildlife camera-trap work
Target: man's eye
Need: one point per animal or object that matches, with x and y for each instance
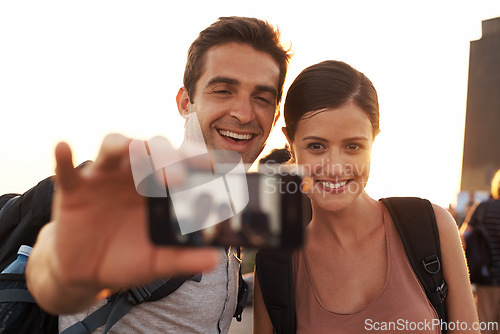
(263, 99)
(221, 91)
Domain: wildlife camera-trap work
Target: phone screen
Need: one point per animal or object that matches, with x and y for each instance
(256, 210)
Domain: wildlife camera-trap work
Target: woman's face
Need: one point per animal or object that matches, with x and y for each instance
(334, 146)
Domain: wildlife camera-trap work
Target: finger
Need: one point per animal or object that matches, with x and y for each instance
(162, 152)
(177, 261)
(167, 160)
(113, 151)
(66, 175)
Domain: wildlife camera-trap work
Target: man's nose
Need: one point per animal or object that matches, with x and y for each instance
(243, 110)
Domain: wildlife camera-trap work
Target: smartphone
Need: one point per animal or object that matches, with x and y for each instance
(254, 210)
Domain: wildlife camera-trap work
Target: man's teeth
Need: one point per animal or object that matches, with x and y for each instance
(235, 135)
(332, 185)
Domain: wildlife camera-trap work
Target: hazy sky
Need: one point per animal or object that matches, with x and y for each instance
(76, 71)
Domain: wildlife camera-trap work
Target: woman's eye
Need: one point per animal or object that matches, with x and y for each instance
(353, 147)
(315, 146)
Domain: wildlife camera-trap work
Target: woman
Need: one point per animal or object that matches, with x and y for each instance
(352, 274)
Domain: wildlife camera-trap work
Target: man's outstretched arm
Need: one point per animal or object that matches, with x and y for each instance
(97, 241)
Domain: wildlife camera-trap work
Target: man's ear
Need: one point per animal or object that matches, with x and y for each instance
(183, 102)
(290, 146)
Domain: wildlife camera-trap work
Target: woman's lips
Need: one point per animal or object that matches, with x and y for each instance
(333, 186)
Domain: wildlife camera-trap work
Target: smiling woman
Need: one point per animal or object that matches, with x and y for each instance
(353, 265)
(334, 145)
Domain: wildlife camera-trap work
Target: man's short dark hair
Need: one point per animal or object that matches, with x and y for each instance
(251, 31)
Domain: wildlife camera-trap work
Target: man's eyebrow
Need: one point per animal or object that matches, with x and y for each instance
(232, 81)
(226, 80)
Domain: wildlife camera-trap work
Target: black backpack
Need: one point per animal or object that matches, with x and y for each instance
(478, 249)
(416, 223)
(21, 218)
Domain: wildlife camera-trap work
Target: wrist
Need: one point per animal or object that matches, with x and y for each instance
(53, 290)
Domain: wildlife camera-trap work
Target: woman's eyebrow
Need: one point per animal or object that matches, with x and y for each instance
(314, 138)
(358, 138)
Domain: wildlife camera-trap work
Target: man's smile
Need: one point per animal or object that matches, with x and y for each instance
(235, 136)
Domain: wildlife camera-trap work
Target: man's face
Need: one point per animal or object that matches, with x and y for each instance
(235, 99)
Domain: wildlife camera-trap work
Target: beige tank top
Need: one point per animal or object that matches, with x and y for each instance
(401, 307)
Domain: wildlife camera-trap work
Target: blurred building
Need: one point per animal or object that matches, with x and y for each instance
(482, 124)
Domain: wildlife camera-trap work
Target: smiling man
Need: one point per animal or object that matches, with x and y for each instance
(237, 94)
(98, 242)
(235, 99)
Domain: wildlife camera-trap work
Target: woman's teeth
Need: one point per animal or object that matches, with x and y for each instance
(332, 185)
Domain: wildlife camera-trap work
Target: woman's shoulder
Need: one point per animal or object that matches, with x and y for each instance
(449, 236)
(444, 219)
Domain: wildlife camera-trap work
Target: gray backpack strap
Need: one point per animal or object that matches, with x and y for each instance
(115, 309)
(126, 301)
(119, 305)
(16, 295)
(92, 322)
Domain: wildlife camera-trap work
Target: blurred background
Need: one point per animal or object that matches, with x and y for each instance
(75, 71)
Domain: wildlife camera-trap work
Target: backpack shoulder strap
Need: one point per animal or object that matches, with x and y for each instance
(16, 292)
(275, 274)
(120, 304)
(242, 292)
(6, 200)
(416, 223)
(22, 217)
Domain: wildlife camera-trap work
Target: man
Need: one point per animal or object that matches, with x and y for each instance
(98, 242)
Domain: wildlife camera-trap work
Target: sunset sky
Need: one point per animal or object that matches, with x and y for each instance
(75, 71)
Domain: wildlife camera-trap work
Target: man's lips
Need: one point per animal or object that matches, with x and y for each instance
(235, 136)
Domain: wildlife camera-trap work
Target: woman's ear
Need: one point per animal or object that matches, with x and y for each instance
(183, 102)
(290, 143)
